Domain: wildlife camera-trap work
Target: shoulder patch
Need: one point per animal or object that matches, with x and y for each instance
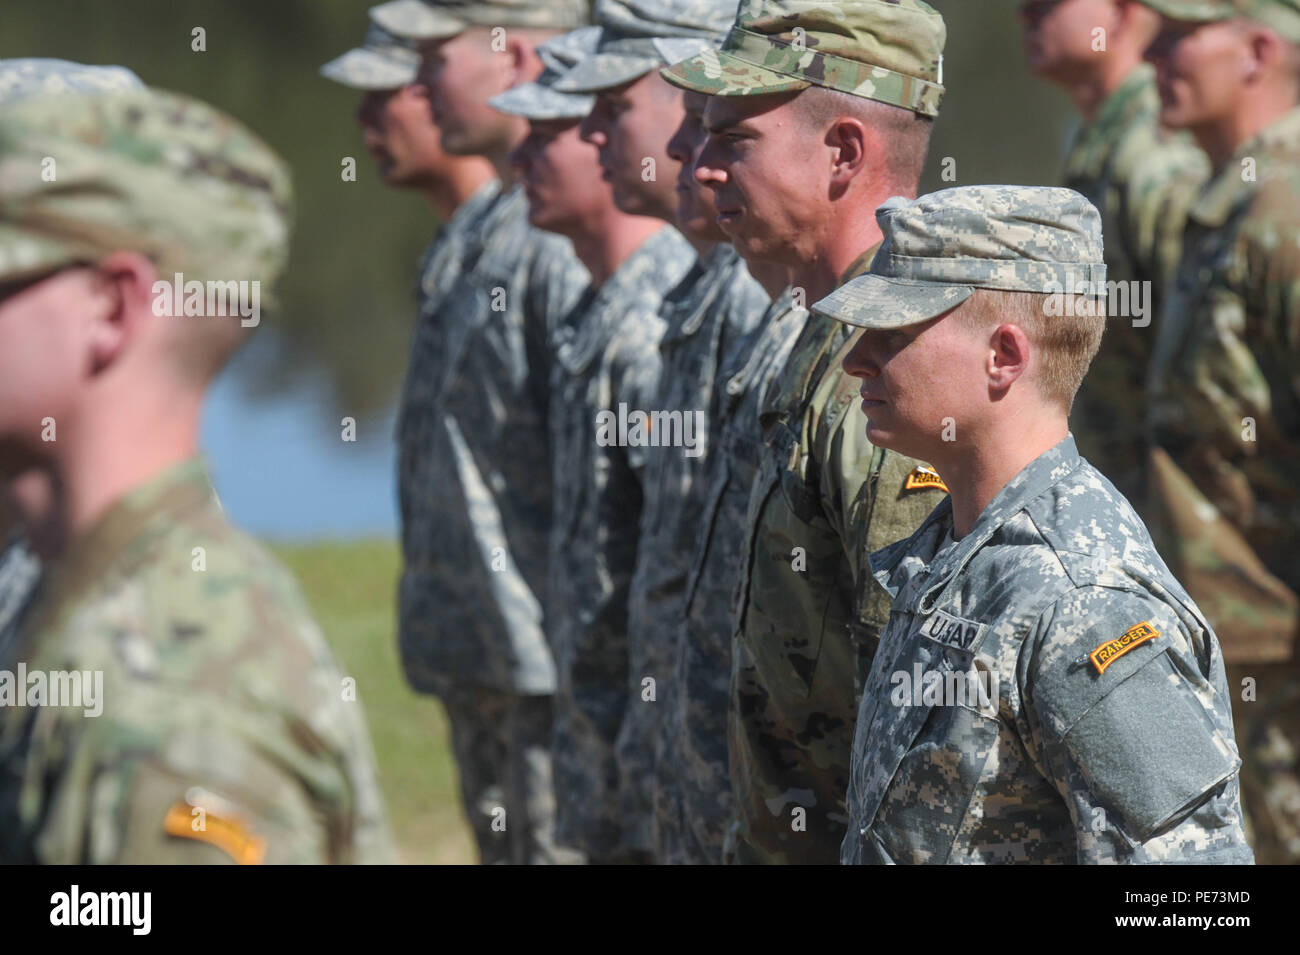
(1112, 650)
(227, 833)
(924, 477)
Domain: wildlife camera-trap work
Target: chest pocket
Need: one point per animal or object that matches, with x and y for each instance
(922, 750)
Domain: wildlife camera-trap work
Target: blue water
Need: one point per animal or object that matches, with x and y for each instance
(283, 471)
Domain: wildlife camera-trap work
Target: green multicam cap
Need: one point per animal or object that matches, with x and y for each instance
(85, 175)
(1283, 16)
(638, 36)
(890, 51)
(539, 100)
(938, 249)
(382, 62)
(442, 19)
(37, 76)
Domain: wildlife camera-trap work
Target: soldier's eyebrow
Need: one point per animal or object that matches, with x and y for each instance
(716, 128)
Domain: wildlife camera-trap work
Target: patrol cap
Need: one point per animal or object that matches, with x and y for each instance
(443, 19)
(890, 51)
(1282, 16)
(940, 248)
(638, 36)
(382, 62)
(38, 76)
(141, 170)
(539, 100)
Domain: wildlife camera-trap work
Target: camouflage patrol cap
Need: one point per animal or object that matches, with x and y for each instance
(939, 248)
(85, 175)
(1282, 16)
(539, 100)
(638, 36)
(890, 51)
(38, 76)
(443, 19)
(382, 62)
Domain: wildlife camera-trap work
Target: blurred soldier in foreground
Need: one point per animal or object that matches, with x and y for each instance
(1225, 399)
(607, 367)
(28, 528)
(633, 123)
(168, 697)
(399, 132)
(1045, 690)
(474, 434)
(817, 114)
(1142, 178)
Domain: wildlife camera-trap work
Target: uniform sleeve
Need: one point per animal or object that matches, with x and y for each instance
(637, 367)
(1167, 178)
(1128, 718)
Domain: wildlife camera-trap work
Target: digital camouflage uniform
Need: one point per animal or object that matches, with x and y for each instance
(474, 482)
(20, 571)
(227, 732)
(1142, 178)
(1045, 690)
(1225, 426)
(608, 363)
(693, 803)
(800, 633)
(716, 304)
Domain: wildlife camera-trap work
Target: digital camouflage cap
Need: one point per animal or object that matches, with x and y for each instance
(539, 100)
(890, 51)
(1282, 16)
(382, 62)
(939, 248)
(637, 36)
(38, 76)
(443, 19)
(149, 171)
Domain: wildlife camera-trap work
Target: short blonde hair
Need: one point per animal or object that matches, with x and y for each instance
(1066, 342)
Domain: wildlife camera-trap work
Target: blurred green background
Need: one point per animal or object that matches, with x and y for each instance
(348, 293)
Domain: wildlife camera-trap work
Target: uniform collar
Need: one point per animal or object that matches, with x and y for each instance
(1049, 468)
(122, 538)
(1226, 188)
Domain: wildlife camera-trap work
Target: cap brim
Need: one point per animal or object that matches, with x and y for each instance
(536, 102)
(605, 71)
(363, 69)
(715, 73)
(415, 20)
(873, 301)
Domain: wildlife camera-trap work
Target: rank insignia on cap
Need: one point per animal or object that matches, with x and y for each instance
(923, 476)
(1112, 650)
(227, 833)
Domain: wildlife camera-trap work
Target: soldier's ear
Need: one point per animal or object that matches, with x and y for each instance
(522, 60)
(851, 142)
(123, 305)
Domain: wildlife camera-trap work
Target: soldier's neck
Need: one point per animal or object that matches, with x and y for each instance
(1222, 138)
(840, 241)
(975, 467)
(602, 250)
(461, 180)
(115, 446)
(773, 276)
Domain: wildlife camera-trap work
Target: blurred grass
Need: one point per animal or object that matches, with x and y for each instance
(351, 587)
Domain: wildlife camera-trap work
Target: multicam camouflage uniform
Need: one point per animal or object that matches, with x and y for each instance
(1142, 178)
(1045, 690)
(1225, 427)
(227, 732)
(717, 303)
(796, 652)
(693, 804)
(609, 362)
